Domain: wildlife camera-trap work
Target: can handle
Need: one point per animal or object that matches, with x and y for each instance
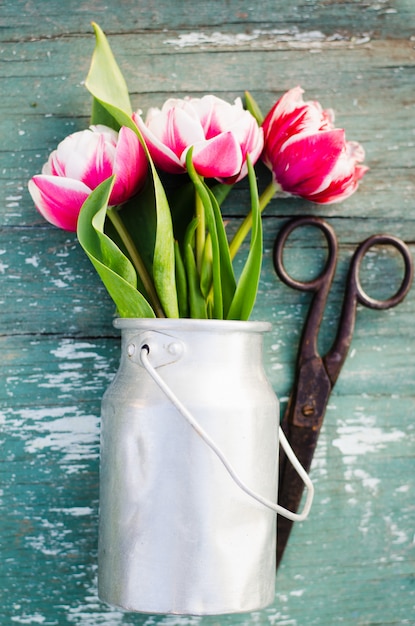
(295, 517)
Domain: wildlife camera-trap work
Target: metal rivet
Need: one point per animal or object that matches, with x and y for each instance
(307, 410)
(175, 348)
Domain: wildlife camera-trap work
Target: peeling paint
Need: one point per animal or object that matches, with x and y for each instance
(262, 38)
(358, 439)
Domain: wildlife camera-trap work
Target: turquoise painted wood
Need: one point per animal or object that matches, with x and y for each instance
(353, 561)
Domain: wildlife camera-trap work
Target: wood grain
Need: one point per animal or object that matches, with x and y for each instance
(353, 561)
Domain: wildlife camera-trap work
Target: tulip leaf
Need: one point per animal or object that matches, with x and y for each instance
(253, 107)
(226, 269)
(138, 215)
(206, 268)
(147, 219)
(114, 268)
(100, 115)
(181, 282)
(181, 200)
(197, 303)
(203, 192)
(247, 287)
(107, 85)
(163, 261)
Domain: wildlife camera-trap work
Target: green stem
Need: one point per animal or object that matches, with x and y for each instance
(136, 260)
(245, 227)
(200, 232)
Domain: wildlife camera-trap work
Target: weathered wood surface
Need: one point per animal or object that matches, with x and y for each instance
(353, 561)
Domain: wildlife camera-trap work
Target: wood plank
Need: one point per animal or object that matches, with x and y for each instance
(353, 561)
(383, 67)
(44, 271)
(47, 20)
(52, 434)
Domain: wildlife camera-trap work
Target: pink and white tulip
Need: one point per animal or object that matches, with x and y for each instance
(307, 155)
(221, 134)
(80, 163)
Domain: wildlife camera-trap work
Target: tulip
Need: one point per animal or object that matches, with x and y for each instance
(307, 155)
(221, 134)
(80, 163)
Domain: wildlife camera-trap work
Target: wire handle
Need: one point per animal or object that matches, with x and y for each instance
(295, 517)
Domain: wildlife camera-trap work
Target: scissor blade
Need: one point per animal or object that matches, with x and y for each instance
(301, 425)
(303, 441)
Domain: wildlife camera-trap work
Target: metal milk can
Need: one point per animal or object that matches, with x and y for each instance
(189, 460)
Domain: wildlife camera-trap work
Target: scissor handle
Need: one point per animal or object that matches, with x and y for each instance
(320, 285)
(355, 293)
(354, 278)
(326, 275)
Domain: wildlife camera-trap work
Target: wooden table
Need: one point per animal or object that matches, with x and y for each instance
(353, 561)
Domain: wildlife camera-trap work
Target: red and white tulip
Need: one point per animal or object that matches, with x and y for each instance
(221, 134)
(307, 155)
(80, 163)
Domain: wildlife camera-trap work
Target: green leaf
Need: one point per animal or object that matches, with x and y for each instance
(206, 268)
(197, 302)
(107, 85)
(204, 194)
(113, 267)
(247, 288)
(228, 281)
(253, 108)
(144, 217)
(140, 220)
(164, 262)
(181, 197)
(100, 115)
(181, 282)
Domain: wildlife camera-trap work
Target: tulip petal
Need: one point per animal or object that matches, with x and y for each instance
(307, 161)
(130, 166)
(98, 166)
(253, 143)
(344, 177)
(223, 117)
(287, 127)
(161, 154)
(339, 190)
(257, 147)
(291, 116)
(85, 155)
(182, 130)
(220, 157)
(204, 108)
(58, 199)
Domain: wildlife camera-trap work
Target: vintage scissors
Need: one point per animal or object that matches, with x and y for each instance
(316, 375)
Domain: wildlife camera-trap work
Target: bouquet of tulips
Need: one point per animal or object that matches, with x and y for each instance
(144, 196)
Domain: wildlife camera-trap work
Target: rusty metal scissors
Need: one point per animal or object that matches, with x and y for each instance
(315, 374)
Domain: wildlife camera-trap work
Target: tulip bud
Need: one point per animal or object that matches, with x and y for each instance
(307, 155)
(80, 163)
